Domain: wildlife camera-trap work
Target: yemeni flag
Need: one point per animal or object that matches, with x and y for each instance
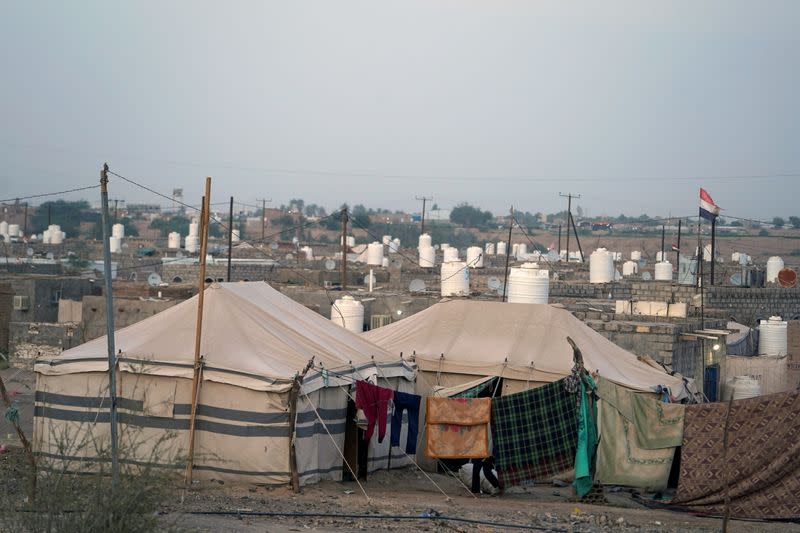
(708, 209)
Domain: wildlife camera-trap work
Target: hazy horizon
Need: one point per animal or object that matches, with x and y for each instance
(634, 106)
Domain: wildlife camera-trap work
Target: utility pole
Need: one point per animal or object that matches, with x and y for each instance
(230, 238)
(663, 234)
(49, 212)
(558, 251)
(264, 217)
(25, 222)
(678, 251)
(577, 239)
(508, 253)
(343, 281)
(569, 196)
(112, 361)
(424, 201)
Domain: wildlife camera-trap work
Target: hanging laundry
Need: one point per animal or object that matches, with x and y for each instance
(638, 437)
(410, 404)
(587, 436)
(535, 433)
(457, 428)
(374, 401)
(760, 470)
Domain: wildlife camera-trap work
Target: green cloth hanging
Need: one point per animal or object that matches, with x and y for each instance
(587, 438)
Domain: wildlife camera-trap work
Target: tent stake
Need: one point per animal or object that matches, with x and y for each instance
(204, 215)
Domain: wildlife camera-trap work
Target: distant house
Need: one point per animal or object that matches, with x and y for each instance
(602, 226)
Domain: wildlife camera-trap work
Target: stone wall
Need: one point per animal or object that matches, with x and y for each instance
(127, 311)
(29, 340)
(747, 305)
(6, 300)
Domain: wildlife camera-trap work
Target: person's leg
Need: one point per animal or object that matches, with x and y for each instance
(488, 465)
(476, 475)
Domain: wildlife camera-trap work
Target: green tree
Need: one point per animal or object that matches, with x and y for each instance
(778, 222)
(469, 216)
(68, 215)
(795, 222)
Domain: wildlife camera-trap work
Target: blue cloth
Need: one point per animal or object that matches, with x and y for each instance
(410, 403)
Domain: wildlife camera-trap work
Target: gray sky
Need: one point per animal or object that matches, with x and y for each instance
(633, 104)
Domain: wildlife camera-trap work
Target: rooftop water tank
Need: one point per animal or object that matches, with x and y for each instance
(194, 227)
(348, 313)
(13, 230)
(427, 257)
(115, 243)
(425, 241)
(774, 265)
(629, 268)
(636, 255)
(663, 271)
(735, 257)
(772, 338)
(522, 251)
(386, 239)
(385, 262)
(455, 279)
(375, 254)
(660, 256)
(308, 251)
(174, 240)
(45, 236)
(192, 243)
(450, 254)
(57, 237)
(488, 248)
(4, 228)
(351, 241)
(444, 246)
(528, 284)
(118, 230)
(475, 257)
(394, 246)
(601, 266)
(501, 248)
(514, 250)
(236, 235)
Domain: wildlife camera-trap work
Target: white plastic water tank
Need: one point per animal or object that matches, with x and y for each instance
(351, 241)
(450, 254)
(427, 257)
(57, 237)
(744, 259)
(118, 230)
(601, 266)
(663, 271)
(522, 251)
(707, 253)
(348, 313)
(501, 248)
(735, 257)
(192, 243)
(424, 241)
(528, 284)
(13, 230)
(744, 387)
(174, 240)
(115, 243)
(488, 248)
(629, 268)
(455, 279)
(394, 246)
(660, 256)
(444, 246)
(636, 255)
(772, 337)
(774, 265)
(514, 250)
(308, 251)
(375, 254)
(194, 228)
(386, 239)
(617, 256)
(236, 235)
(385, 262)
(475, 257)
(3, 228)
(45, 236)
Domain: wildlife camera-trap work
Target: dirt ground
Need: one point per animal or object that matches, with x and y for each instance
(400, 500)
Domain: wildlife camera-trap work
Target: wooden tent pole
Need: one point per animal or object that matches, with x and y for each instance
(294, 394)
(204, 216)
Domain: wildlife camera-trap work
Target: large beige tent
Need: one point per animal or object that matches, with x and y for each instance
(458, 343)
(255, 341)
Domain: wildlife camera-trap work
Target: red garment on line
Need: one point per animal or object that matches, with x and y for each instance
(374, 401)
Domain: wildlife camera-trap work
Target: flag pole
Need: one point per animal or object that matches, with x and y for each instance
(713, 246)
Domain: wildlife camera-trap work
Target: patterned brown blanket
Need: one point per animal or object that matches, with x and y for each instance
(763, 458)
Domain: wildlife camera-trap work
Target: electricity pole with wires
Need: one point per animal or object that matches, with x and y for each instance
(508, 253)
(424, 201)
(264, 203)
(569, 196)
(343, 281)
(230, 238)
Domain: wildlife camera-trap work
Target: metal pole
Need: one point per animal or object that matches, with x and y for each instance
(112, 361)
(422, 226)
(343, 281)
(713, 247)
(569, 219)
(678, 252)
(230, 238)
(263, 219)
(49, 212)
(199, 328)
(508, 253)
(559, 242)
(580, 250)
(663, 232)
(25, 222)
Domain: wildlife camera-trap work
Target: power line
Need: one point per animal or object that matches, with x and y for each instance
(49, 194)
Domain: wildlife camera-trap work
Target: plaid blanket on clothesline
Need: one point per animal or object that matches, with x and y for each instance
(534, 433)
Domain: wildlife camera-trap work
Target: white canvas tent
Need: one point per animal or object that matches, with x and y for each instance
(456, 341)
(255, 341)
